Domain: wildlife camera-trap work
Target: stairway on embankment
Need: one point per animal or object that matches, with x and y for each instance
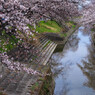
(20, 83)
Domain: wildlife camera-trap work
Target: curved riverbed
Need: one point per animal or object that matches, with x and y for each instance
(73, 68)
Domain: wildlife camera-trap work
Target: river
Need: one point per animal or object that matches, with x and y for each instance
(74, 67)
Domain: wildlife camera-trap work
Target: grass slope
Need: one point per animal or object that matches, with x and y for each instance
(48, 26)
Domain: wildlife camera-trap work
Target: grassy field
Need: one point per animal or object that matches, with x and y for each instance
(48, 26)
(51, 27)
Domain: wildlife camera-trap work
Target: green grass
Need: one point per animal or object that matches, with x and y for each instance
(65, 35)
(48, 26)
(71, 24)
(35, 86)
(7, 42)
(92, 29)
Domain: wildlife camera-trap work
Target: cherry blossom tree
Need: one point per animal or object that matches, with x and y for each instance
(19, 13)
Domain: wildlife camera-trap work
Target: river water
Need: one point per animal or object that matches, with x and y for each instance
(74, 67)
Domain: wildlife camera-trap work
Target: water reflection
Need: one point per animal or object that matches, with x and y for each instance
(88, 69)
(73, 74)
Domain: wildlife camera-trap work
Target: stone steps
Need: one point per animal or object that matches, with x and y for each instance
(14, 83)
(46, 52)
(38, 61)
(36, 67)
(30, 55)
(49, 54)
(40, 54)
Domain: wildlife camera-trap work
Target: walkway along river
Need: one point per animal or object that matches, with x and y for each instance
(74, 67)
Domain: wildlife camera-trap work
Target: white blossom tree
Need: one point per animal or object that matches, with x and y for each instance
(18, 13)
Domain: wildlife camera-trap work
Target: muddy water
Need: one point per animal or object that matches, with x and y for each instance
(74, 67)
